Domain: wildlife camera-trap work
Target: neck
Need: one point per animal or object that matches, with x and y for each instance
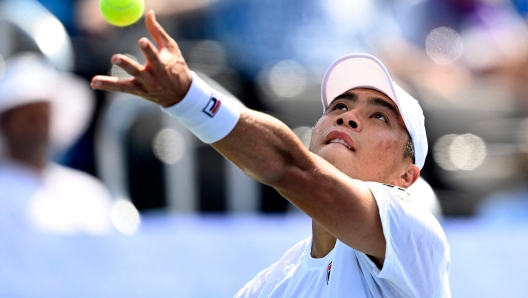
(322, 241)
(35, 159)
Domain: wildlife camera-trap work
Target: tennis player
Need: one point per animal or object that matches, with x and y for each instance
(366, 149)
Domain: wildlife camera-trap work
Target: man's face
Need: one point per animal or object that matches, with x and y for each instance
(362, 134)
(27, 127)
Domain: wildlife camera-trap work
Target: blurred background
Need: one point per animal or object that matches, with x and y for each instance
(120, 200)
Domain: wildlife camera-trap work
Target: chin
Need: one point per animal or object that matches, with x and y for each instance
(335, 152)
(341, 158)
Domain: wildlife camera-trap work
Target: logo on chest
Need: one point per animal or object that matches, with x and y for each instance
(328, 270)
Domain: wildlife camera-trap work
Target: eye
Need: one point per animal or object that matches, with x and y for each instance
(379, 116)
(340, 106)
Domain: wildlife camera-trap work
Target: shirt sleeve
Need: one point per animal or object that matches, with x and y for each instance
(417, 254)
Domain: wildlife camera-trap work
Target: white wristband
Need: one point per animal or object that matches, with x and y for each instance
(208, 114)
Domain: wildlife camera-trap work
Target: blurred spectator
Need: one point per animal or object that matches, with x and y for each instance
(465, 60)
(42, 112)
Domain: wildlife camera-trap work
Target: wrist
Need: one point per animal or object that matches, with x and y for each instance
(207, 113)
(185, 86)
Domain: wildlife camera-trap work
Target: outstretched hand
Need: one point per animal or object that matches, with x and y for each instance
(165, 77)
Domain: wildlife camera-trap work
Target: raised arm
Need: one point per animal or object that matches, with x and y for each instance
(262, 146)
(268, 151)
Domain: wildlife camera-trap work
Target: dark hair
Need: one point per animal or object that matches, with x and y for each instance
(408, 151)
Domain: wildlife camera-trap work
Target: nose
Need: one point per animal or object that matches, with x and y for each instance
(350, 120)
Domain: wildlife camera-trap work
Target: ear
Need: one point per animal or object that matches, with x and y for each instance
(410, 176)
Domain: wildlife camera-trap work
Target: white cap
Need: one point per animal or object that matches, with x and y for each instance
(30, 79)
(366, 71)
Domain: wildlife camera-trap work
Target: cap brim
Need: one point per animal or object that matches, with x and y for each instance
(356, 71)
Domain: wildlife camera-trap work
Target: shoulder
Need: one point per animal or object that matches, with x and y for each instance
(397, 198)
(403, 217)
(401, 193)
(390, 198)
(56, 171)
(394, 191)
(271, 276)
(417, 253)
(292, 256)
(71, 180)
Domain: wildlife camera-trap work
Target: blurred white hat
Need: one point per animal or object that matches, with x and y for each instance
(29, 79)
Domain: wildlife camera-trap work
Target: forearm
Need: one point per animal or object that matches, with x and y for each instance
(263, 147)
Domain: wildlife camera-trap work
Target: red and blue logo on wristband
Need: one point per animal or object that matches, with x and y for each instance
(213, 105)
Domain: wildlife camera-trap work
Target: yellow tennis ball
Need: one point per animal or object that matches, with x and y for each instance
(122, 12)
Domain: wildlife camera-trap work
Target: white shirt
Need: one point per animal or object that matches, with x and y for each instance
(416, 260)
(58, 200)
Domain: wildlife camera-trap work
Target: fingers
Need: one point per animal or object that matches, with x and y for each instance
(157, 32)
(151, 53)
(128, 64)
(107, 83)
(133, 68)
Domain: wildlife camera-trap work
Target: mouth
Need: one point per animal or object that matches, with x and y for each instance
(340, 141)
(340, 137)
